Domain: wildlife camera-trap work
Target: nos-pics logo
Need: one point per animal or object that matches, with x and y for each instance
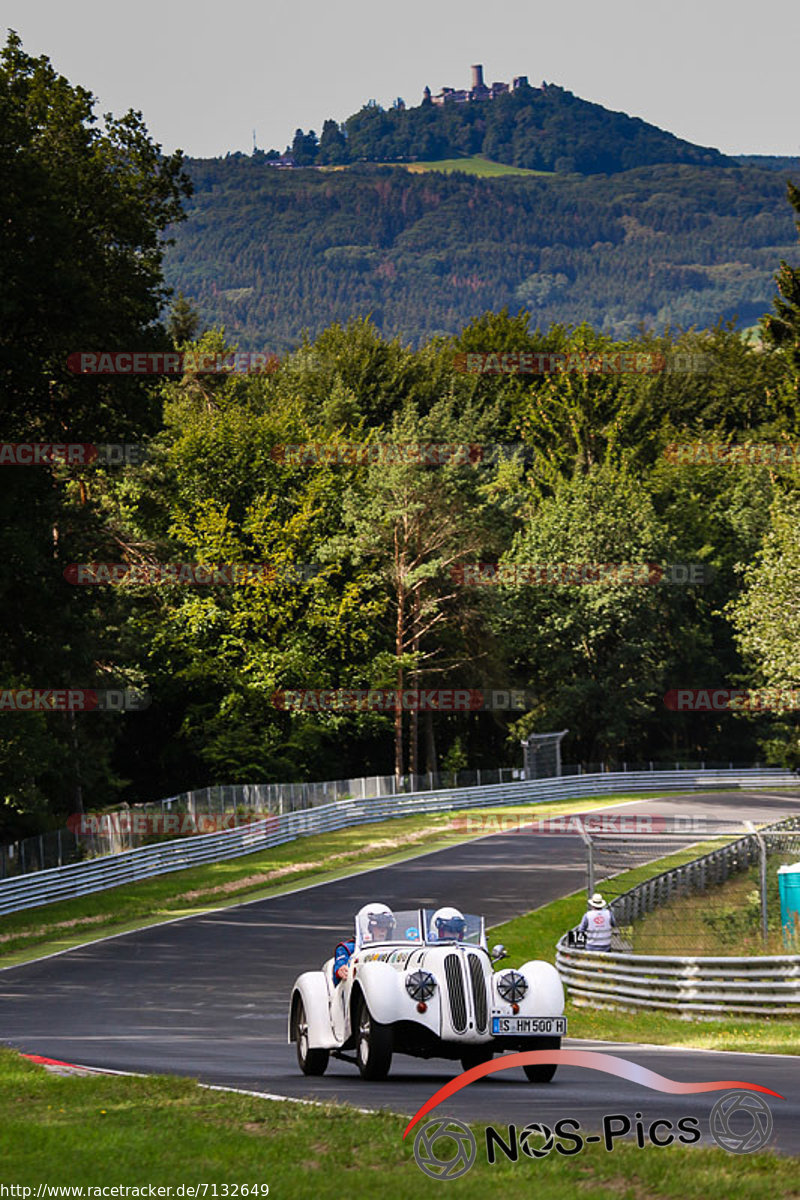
(740, 1122)
(444, 1148)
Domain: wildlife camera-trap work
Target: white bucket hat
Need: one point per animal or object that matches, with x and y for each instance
(597, 901)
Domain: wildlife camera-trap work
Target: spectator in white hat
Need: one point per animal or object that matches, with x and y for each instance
(597, 923)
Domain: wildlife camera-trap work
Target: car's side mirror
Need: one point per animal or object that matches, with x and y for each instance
(499, 951)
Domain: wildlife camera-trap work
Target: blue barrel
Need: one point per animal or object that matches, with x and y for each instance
(789, 889)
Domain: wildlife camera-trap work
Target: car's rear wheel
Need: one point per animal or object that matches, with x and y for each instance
(476, 1056)
(311, 1062)
(542, 1072)
(374, 1045)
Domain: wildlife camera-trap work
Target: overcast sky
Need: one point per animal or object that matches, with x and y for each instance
(720, 73)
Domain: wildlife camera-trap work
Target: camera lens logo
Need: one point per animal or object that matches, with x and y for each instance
(741, 1122)
(531, 1136)
(435, 1139)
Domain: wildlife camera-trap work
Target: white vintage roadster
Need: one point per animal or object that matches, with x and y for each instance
(425, 987)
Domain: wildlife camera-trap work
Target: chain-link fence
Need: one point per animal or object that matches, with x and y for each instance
(212, 809)
(53, 849)
(718, 893)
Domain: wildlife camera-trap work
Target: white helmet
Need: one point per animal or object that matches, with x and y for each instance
(374, 917)
(597, 901)
(448, 925)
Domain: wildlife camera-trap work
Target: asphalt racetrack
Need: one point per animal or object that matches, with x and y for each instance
(207, 996)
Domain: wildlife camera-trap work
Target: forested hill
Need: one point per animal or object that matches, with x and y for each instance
(543, 129)
(269, 252)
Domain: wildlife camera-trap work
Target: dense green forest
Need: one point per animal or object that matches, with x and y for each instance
(267, 253)
(84, 214)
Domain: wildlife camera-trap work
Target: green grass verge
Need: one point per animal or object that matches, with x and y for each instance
(98, 1131)
(306, 860)
(475, 165)
(535, 936)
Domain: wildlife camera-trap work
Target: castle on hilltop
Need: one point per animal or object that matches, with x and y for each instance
(478, 91)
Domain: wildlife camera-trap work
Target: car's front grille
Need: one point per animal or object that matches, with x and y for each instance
(455, 992)
(478, 992)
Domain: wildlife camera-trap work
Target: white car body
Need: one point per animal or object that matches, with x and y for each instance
(465, 1015)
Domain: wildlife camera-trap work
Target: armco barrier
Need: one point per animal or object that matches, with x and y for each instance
(690, 986)
(78, 879)
(760, 986)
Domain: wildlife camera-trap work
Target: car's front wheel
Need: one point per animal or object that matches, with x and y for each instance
(543, 1072)
(311, 1062)
(374, 1045)
(476, 1056)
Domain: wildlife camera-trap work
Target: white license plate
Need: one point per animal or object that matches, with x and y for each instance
(536, 1026)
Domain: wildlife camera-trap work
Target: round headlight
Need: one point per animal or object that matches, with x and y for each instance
(512, 986)
(421, 985)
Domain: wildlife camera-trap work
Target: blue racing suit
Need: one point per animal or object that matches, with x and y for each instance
(341, 957)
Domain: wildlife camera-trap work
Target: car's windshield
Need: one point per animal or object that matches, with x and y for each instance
(407, 927)
(448, 929)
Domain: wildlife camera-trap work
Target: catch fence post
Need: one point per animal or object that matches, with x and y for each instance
(587, 841)
(762, 855)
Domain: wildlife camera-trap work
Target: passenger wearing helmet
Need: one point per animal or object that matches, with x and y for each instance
(447, 925)
(375, 923)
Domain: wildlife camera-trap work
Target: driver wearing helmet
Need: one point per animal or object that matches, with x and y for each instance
(376, 923)
(447, 925)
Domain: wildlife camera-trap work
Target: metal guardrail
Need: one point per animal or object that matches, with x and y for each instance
(764, 985)
(146, 862)
(117, 830)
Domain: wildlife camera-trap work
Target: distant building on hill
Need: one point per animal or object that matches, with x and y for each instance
(280, 160)
(478, 91)
(447, 95)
